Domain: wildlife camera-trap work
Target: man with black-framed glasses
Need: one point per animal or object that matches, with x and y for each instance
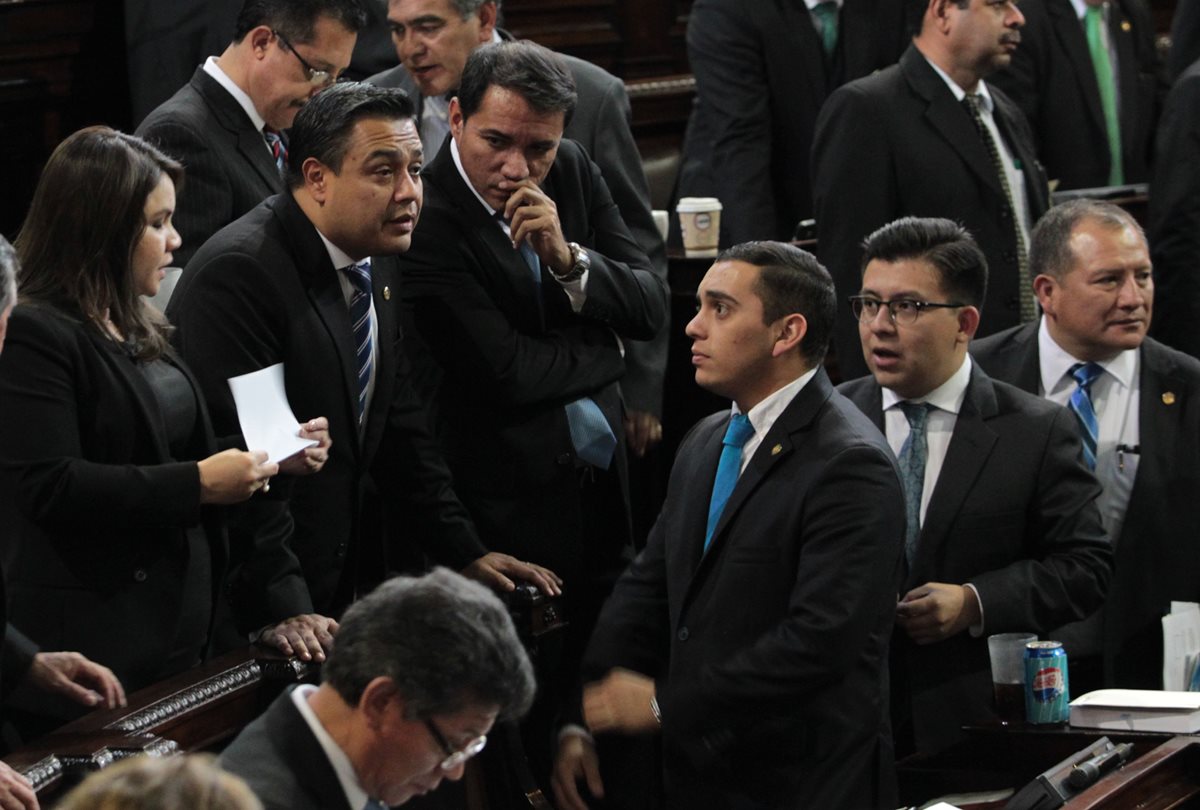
(228, 124)
(1002, 529)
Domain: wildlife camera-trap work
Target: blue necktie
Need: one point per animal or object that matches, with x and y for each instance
(827, 17)
(913, 455)
(728, 469)
(360, 320)
(278, 147)
(1080, 404)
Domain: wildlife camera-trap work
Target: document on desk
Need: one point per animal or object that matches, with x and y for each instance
(265, 415)
(1181, 647)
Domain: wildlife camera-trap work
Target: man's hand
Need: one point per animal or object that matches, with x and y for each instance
(642, 430)
(533, 218)
(311, 459)
(620, 702)
(75, 677)
(494, 569)
(575, 760)
(936, 611)
(15, 791)
(308, 636)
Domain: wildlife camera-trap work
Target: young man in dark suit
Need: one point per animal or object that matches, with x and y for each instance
(227, 124)
(1093, 279)
(1003, 533)
(309, 279)
(905, 142)
(751, 632)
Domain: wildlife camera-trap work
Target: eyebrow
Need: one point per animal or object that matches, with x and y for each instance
(424, 19)
(717, 295)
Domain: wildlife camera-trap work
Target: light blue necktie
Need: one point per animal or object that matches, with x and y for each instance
(1080, 404)
(360, 320)
(913, 455)
(728, 469)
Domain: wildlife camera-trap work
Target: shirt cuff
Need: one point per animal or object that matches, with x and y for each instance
(575, 730)
(976, 630)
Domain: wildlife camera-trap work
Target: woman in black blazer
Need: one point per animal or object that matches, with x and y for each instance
(109, 473)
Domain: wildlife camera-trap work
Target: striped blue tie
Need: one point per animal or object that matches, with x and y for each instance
(360, 321)
(1081, 405)
(729, 467)
(913, 457)
(278, 147)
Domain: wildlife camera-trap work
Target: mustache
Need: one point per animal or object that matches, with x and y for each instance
(1011, 38)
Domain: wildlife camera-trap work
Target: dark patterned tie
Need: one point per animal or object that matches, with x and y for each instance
(360, 321)
(278, 147)
(1028, 307)
(1080, 404)
(729, 467)
(913, 455)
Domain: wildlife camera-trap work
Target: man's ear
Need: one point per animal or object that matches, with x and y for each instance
(1044, 287)
(968, 322)
(315, 175)
(259, 38)
(455, 116)
(375, 699)
(791, 331)
(487, 21)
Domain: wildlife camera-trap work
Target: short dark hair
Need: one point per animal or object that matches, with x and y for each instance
(947, 246)
(791, 280)
(322, 127)
(8, 275)
(468, 7)
(914, 14)
(1050, 245)
(535, 73)
(297, 19)
(445, 641)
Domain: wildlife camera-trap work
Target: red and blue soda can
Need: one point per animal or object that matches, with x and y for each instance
(1047, 688)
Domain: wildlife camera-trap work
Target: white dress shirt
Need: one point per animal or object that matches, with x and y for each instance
(355, 795)
(763, 415)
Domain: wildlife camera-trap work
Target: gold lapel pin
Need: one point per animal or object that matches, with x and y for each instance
(387, 293)
(777, 449)
(1168, 398)
(1125, 26)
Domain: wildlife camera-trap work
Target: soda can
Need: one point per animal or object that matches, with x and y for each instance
(1047, 688)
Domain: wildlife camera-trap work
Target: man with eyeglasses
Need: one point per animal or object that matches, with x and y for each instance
(422, 669)
(1002, 529)
(227, 125)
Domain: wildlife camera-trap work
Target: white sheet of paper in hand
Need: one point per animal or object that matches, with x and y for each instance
(265, 415)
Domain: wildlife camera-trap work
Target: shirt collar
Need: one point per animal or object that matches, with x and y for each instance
(981, 90)
(1081, 7)
(947, 397)
(239, 95)
(339, 257)
(463, 174)
(347, 778)
(812, 4)
(1055, 363)
(763, 415)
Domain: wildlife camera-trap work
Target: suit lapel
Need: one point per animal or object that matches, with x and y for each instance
(1037, 192)
(232, 117)
(1071, 34)
(126, 370)
(1121, 33)
(385, 278)
(1158, 426)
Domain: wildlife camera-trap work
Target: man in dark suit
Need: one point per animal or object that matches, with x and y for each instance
(433, 39)
(751, 632)
(422, 669)
(905, 143)
(1003, 533)
(226, 125)
(1095, 287)
(763, 70)
(294, 282)
(1054, 79)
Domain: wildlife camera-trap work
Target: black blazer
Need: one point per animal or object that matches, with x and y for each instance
(769, 651)
(263, 291)
(761, 78)
(92, 503)
(898, 144)
(1052, 80)
(229, 169)
(1013, 513)
(499, 361)
(1156, 556)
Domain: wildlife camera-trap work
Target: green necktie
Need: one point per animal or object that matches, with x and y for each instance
(1094, 23)
(827, 17)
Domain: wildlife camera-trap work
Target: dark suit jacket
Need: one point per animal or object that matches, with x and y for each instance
(500, 361)
(769, 652)
(601, 126)
(263, 291)
(1052, 80)
(229, 169)
(283, 763)
(1013, 513)
(93, 506)
(898, 144)
(761, 78)
(1156, 556)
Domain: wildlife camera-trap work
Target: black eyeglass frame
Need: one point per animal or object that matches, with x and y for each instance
(857, 306)
(316, 76)
(454, 758)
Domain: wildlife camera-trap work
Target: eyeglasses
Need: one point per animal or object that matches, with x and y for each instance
(455, 758)
(901, 310)
(316, 77)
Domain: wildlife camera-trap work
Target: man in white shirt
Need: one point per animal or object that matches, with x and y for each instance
(1090, 350)
(422, 670)
(1003, 533)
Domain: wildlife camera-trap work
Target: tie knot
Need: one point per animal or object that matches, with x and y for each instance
(826, 11)
(916, 413)
(739, 431)
(973, 104)
(360, 276)
(1086, 373)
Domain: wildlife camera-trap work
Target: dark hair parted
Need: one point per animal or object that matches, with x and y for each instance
(323, 126)
(446, 642)
(536, 74)
(1050, 244)
(297, 19)
(791, 280)
(8, 275)
(87, 216)
(947, 246)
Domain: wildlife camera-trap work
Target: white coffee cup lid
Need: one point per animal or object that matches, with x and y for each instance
(688, 205)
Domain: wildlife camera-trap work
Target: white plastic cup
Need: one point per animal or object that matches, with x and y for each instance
(700, 223)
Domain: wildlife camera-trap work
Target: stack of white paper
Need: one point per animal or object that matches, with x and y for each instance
(1138, 710)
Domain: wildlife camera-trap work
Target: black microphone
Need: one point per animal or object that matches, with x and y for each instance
(1088, 772)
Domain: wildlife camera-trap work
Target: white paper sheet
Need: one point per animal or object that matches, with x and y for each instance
(1181, 639)
(265, 415)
